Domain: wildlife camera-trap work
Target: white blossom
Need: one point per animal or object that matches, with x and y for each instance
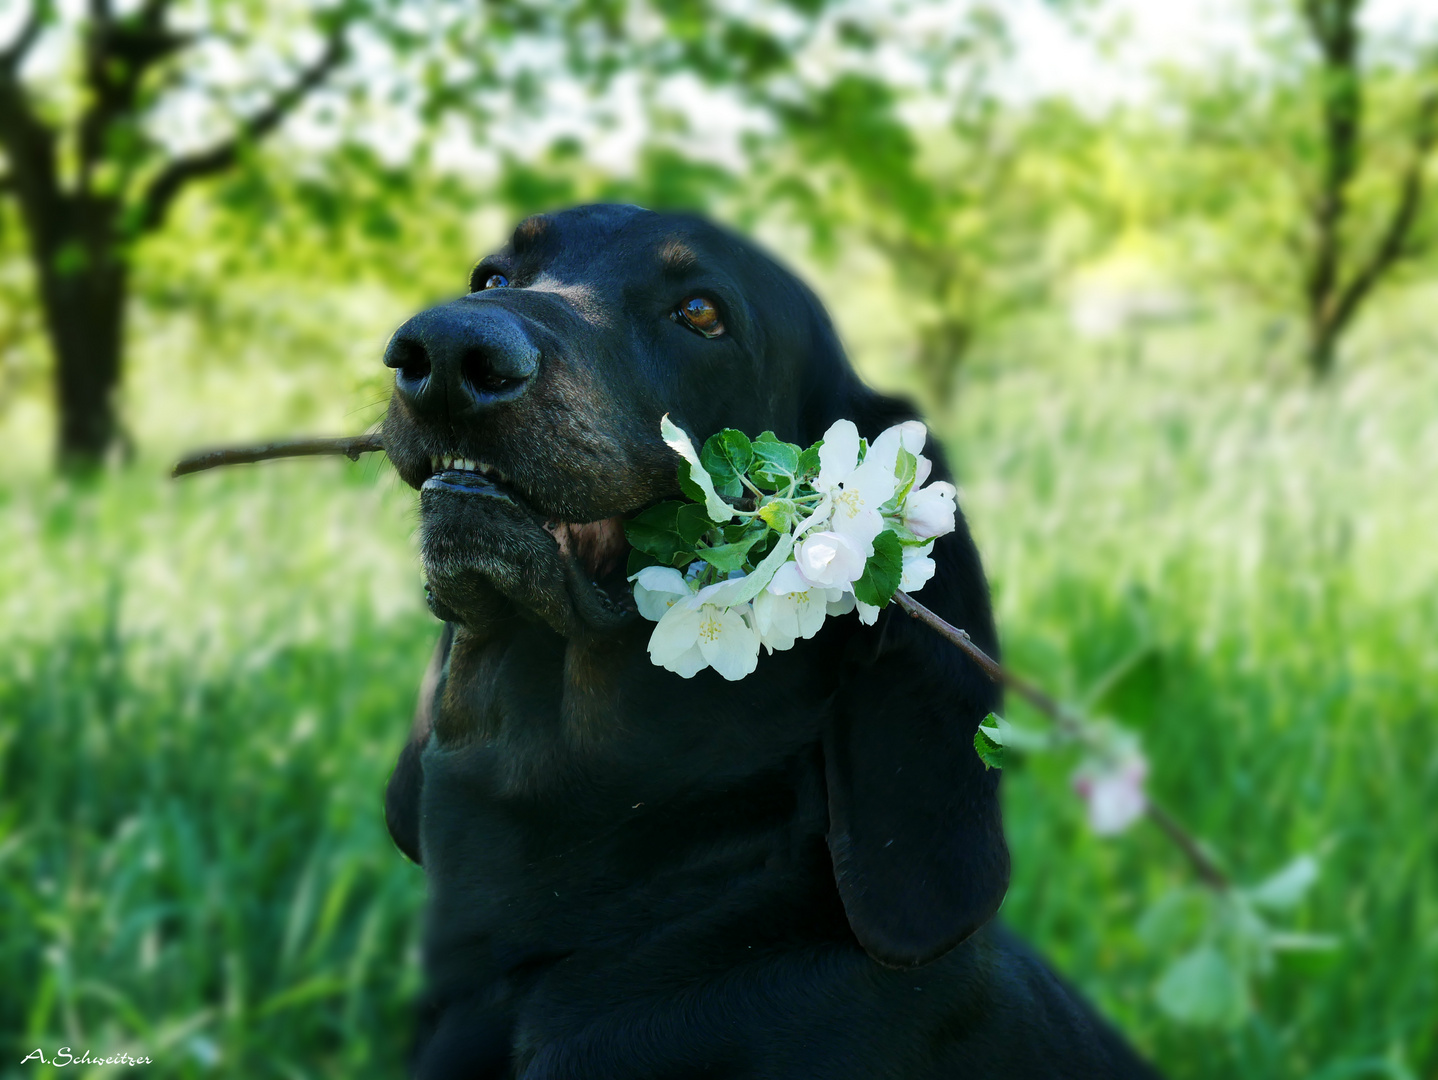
(1112, 790)
(917, 568)
(790, 608)
(857, 489)
(695, 633)
(809, 573)
(910, 435)
(659, 588)
(829, 559)
(931, 511)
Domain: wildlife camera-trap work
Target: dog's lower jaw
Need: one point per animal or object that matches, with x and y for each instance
(490, 563)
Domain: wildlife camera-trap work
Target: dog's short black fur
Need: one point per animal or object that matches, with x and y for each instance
(634, 875)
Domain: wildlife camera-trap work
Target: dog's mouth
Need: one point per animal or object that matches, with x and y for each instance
(466, 477)
(477, 518)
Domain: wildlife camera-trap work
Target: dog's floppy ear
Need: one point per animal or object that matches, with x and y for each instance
(402, 794)
(914, 824)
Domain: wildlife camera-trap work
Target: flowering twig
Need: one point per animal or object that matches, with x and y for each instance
(351, 446)
(1070, 724)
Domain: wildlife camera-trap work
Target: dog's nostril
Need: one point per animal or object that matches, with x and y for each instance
(410, 359)
(479, 372)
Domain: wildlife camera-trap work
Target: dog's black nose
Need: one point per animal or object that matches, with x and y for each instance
(460, 358)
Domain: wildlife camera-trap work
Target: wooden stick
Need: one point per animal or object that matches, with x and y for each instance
(351, 446)
(1071, 724)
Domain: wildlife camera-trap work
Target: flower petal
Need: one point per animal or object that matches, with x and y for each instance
(678, 440)
(915, 571)
(774, 620)
(828, 559)
(818, 518)
(884, 451)
(787, 579)
(922, 471)
(657, 589)
(932, 511)
(838, 455)
(674, 634)
(728, 642)
(688, 664)
(810, 610)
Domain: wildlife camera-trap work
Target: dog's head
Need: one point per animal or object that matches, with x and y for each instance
(527, 414)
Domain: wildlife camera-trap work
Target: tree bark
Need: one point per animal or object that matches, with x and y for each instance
(1322, 352)
(84, 320)
(79, 235)
(1333, 296)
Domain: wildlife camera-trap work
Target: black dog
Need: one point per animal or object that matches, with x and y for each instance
(634, 875)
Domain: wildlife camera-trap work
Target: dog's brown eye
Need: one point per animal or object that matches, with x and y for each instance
(700, 313)
(495, 281)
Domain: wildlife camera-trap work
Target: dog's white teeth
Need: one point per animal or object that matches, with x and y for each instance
(434, 462)
(464, 465)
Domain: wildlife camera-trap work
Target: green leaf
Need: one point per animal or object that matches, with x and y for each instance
(1204, 989)
(655, 526)
(906, 470)
(882, 572)
(691, 488)
(989, 742)
(657, 531)
(1286, 888)
(726, 457)
(745, 589)
(739, 530)
(693, 480)
(692, 523)
(776, 463)
(809, 461)
(665, 533)
(727, 557)
(1176, 920)
(779, 514)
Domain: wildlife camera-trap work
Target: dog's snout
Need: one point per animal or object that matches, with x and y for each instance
(462, 357)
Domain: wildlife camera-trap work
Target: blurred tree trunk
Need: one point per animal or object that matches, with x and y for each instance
(84, 319)
(81, 228)
(1332, 298)
(943, 347)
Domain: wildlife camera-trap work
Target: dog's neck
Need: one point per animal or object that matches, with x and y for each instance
(587, 796)
(596, 712)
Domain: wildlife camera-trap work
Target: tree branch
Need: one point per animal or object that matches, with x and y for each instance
(1067, 721)
(1393, 245)
(12, 56)
(351, 446)
(30, 151)
(168, 184)
(118, 53)
(1334, 26)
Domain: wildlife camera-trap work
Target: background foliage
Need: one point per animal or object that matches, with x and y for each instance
(1098, 299)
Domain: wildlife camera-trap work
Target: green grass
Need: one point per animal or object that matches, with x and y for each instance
(203, 686)
(202, 694)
